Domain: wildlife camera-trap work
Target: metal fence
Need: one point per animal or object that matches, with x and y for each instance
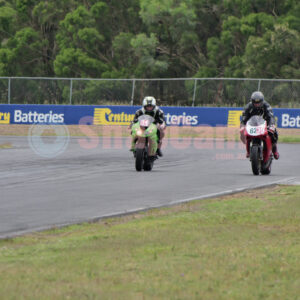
(168, 92)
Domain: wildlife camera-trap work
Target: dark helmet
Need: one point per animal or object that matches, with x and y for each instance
(257, 99)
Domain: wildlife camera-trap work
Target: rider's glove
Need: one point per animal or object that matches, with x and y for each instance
(271, 128)
(162, 126)
(242, 134)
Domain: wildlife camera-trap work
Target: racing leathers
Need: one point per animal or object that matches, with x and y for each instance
(265, 110)
(159, 120)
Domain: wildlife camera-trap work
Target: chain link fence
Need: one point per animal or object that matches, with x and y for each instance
(233, 92)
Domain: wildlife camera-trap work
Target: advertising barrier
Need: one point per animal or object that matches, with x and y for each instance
(123, 115)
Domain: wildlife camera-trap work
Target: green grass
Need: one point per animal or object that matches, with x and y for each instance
(289, 139)
(6, 146)
(244, 246)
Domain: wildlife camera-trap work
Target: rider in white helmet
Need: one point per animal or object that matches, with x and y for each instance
(150, 108)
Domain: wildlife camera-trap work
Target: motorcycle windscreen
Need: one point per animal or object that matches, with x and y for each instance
(146, 117)
(256, 121)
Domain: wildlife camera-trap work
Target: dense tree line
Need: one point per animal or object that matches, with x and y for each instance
(150, 38)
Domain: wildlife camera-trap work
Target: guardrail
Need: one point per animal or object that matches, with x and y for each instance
(232, 92)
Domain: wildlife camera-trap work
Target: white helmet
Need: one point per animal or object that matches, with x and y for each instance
(149, 103)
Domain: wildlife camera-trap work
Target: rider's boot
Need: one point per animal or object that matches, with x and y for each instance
(158, 152)
(133, 142)
(275, 151)
(152, 158)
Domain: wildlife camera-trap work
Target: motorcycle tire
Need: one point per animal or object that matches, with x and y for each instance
(148, 166)
(255, 159)
(139, 159)
(266, 168)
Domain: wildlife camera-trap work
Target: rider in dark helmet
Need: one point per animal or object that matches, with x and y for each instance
(258, 106)
(150, 108)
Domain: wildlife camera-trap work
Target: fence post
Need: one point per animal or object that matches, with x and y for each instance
(132, 94)
(259, 82)
(8, 92)
(194, 95)
(71, 87)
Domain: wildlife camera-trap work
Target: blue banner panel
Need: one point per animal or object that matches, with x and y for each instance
(123, 115)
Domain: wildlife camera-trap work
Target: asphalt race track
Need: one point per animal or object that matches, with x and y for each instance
(90, 179)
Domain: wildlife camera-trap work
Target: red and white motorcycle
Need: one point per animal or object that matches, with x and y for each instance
(259, 145)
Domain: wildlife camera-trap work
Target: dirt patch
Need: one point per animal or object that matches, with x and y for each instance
(123, 131)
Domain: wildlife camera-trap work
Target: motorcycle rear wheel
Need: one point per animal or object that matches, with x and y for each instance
(255, 159)
(139, 159)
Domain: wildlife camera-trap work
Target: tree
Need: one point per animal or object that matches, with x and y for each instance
(227, 50)
(7, 21)
(46, 17)
(81, 50)
(274, 55)
(241, 8)
(208, 21)
(148, 38)
(21, 56)
(173, 24)
(71, 62)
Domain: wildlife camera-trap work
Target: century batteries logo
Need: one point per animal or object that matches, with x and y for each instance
(234, 118)
(184, 119)
(105, 116)
(33, 117)
(4, 117)
(291, 122)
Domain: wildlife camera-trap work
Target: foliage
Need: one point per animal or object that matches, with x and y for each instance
(150, 39)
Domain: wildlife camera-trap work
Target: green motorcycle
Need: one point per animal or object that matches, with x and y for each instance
(144, 143)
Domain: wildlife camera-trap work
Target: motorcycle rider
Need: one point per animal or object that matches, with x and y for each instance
(258, 106)
(150, 108)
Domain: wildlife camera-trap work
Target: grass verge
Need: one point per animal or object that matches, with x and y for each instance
(6, 146)
(202, 132)
(244, 246)
(289, 139)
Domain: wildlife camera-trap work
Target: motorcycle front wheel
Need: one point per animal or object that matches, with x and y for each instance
(139, 159)
(255, 159)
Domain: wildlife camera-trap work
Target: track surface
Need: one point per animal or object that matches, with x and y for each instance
(83, 184)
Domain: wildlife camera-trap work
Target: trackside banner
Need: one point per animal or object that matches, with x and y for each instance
(123, 115)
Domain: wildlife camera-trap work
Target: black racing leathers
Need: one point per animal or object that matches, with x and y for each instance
(157, 114)
(265, 111)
